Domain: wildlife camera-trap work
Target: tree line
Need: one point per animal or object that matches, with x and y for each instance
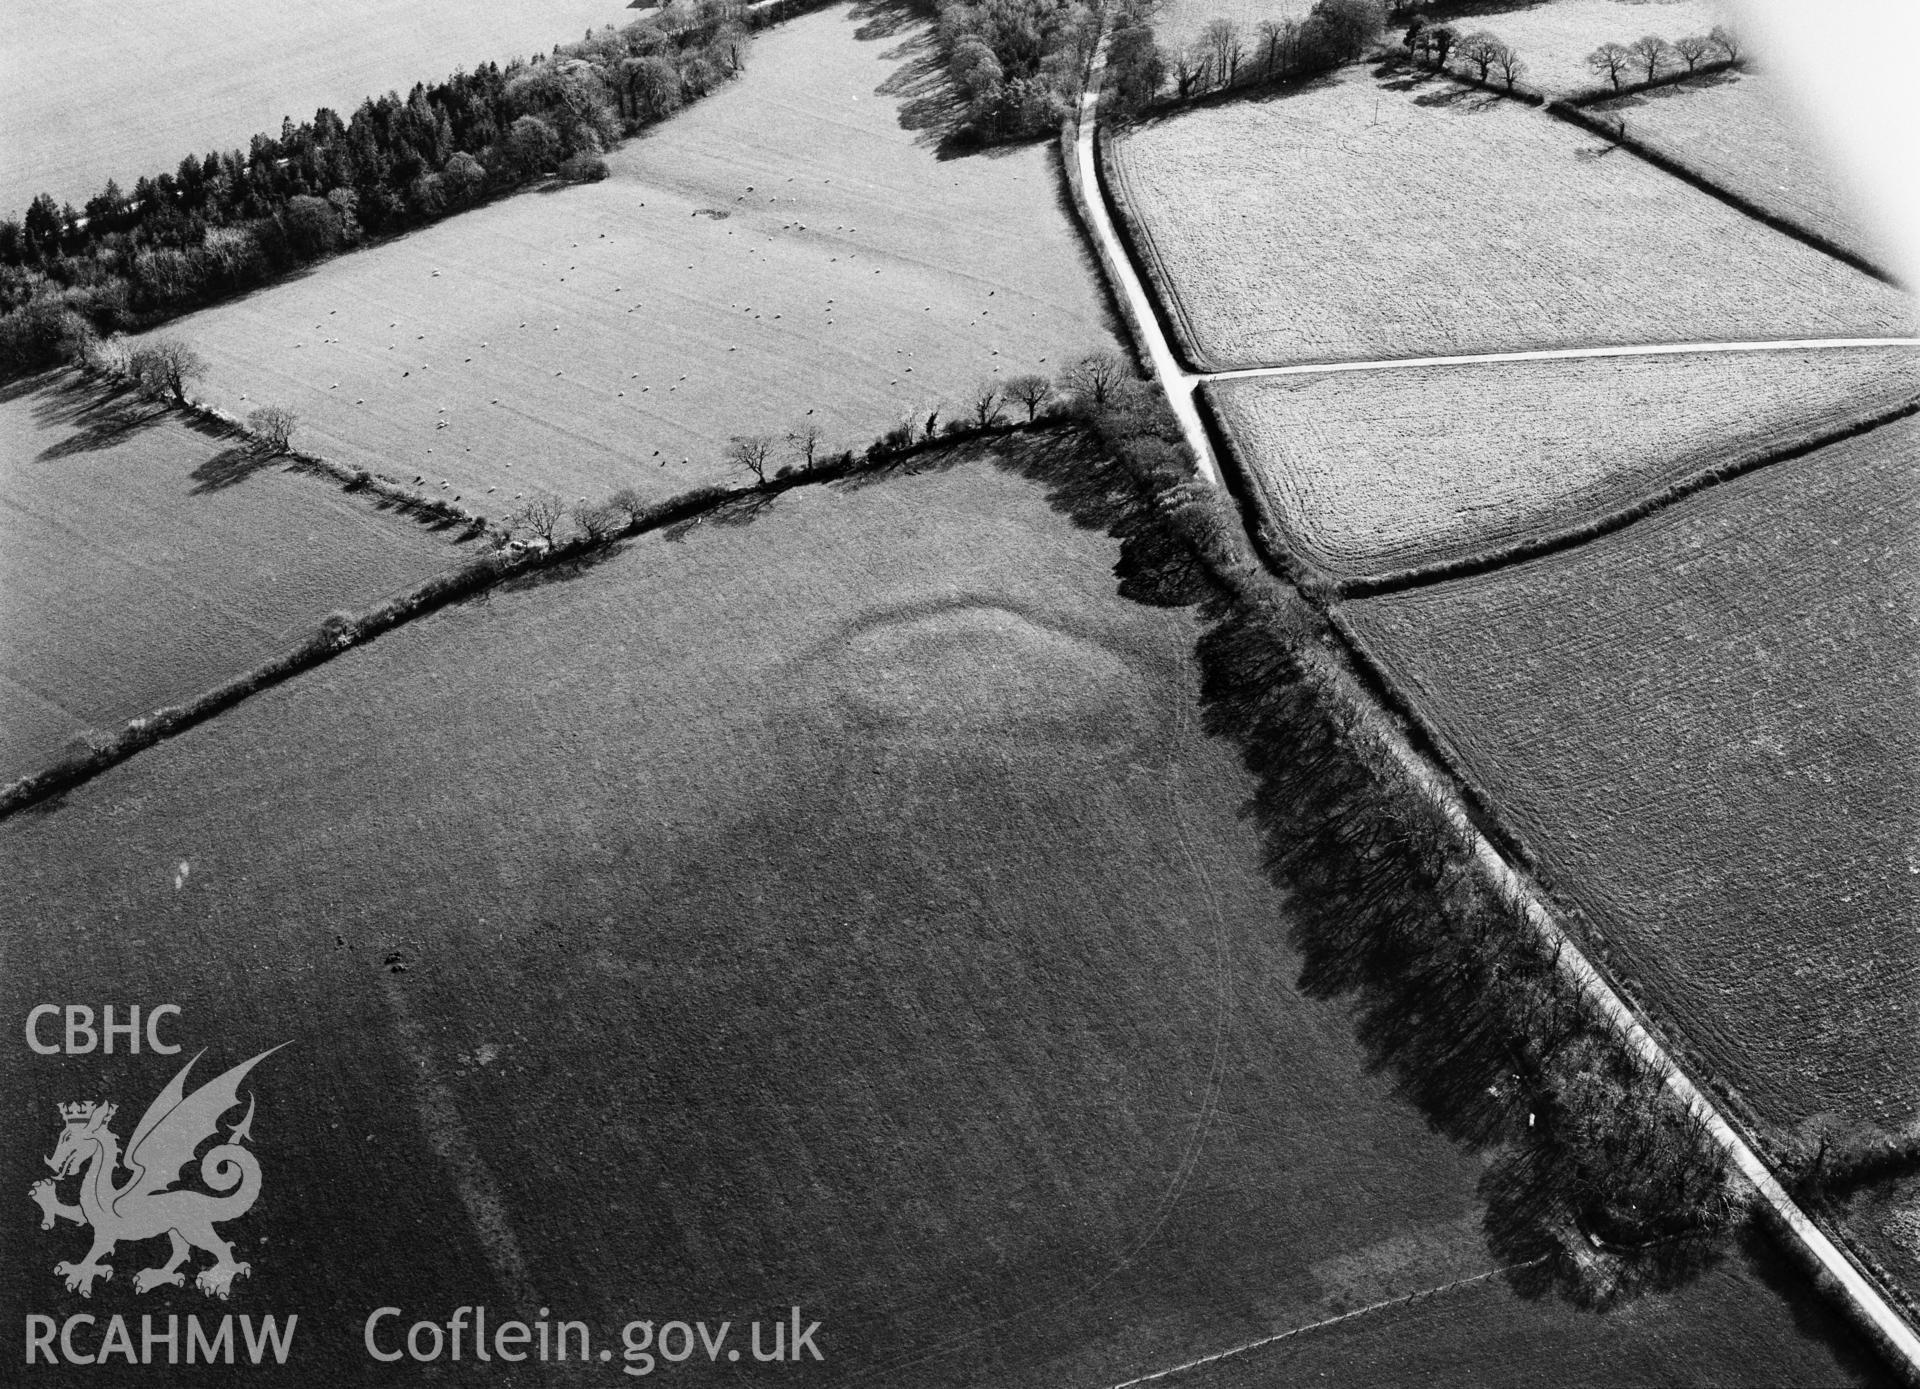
(1226, 56)
(233, 220)
(1648, 58)
(1017, 66)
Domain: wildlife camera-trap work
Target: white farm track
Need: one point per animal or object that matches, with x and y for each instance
(1870, 1307)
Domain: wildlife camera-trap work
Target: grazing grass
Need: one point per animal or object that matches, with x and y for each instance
(1737, 130)
(144, 559)
(838, 906)
(1369, 473)
(92, 90)
(1178, 23)
(1365, 218)
(1702, 727)
(739, 273)
(1554, 39)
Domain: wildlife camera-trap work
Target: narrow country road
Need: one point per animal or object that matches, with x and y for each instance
(1895, 1337)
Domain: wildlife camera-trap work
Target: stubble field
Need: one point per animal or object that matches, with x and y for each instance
(1368, 473)
(1738, 131)
(1702, 726)
(838, 907)
(783, 252)
(144, 559)
(92, 90)
(1354, 220)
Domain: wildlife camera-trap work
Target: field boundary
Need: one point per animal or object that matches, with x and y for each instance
(1403, 1299)
(477, 575)
(1136, 238)
(1467, 566)
(1699, 181)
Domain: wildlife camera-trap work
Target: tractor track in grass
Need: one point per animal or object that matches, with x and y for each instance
(1834, 1269)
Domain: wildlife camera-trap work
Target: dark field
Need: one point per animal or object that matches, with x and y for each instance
(144, 559)
(841, 909)
(1703, 727)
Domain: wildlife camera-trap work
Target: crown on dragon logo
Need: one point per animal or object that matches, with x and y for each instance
(77, 1113)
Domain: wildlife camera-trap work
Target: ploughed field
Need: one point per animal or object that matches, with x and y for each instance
(1739, 131)
(783, 252)
(1702, 726)
(1554, 39)
(92, 89)
(1375, 473)
(1357, 219)
(145, 558)
(839, 906)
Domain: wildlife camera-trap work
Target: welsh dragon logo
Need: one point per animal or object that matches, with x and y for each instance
(149, 1204)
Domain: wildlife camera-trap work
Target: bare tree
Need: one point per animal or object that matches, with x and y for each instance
(1652, 53)
(1610, 60)
(630, 504)
(1193, 70)
(603, 522)
(1726, 41)
(1097, 376)
(986, 403)
(539, 516)
(927, 425)
(1224, 50)
(1031, 391)
(1481, 51)
(804, 440)
(1510, 65)
(752, 452)
(1693, 49)
(1441, 40)
(1276, 39)
(164, 366)
(273, 426)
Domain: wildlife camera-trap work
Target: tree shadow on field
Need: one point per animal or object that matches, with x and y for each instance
(1261, 94)
(1684, 87)
(929, 106)
(100, 417)
(1460, 99)
(229, 468)
(560, 571)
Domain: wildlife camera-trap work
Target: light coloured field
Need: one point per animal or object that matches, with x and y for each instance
(1739, 130)
(1355, 221)
(144, 560)
(95, 89)
(1555, 38)
(1369, 472)
(1178, 23)
(847, 909)
(784, 251)
(1703, 727)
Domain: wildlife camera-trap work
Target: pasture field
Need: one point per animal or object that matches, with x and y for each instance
(1265, 227)
(1368, 473)
(144, 559)
(1554, 39)
(92, 90)
(1702, 726)
(840, 908)
(785, 251)
(1739, 131)
(1178, 23)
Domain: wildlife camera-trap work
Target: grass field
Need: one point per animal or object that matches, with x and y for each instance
(842, 909)
(1268, 223)
(1738, 130)
(143, 559)
(1554, 39)
(1368, 473)
(740, 273)
(92, 90)
(1178, 23)
(1702, 726)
